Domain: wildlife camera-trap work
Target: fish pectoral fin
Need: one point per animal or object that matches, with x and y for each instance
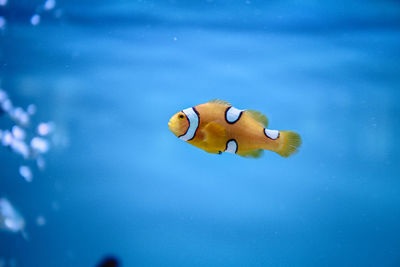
(256, 153)
(258, 116)
(214, 135)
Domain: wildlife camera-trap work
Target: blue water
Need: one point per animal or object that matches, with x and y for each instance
(111, 73)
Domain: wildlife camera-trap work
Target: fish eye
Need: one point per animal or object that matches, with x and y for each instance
(181, 116)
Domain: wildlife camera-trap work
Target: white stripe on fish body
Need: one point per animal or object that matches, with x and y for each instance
(233, 114)
(272, 134)
(193, 124)
(231, 146)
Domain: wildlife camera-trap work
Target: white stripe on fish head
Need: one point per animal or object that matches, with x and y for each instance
(194, 120)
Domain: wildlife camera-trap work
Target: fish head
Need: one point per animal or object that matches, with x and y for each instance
(179, 123)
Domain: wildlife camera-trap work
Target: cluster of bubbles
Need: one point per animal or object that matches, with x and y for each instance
(3, 21)
(47, 6)
(10, 219)
(30, 143)
(22, 137)
(16, 138)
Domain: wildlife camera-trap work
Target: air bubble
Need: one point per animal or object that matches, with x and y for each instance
(35, 19)
(49, 4)
(44, 129)
(18, 132)
(40, 145)
(41, 221)
(26, 173)
(2, 22)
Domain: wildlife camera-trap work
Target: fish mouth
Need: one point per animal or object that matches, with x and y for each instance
(170, 125)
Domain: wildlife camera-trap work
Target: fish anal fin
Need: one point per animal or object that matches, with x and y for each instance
(218, 101)
(214, 135)
(256, 153)
(258, 116)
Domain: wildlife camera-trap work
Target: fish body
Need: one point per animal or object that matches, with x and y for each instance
(217, 127)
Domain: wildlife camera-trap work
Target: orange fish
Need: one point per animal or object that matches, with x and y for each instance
(218, 127)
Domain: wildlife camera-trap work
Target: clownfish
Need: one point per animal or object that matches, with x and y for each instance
(217, 126)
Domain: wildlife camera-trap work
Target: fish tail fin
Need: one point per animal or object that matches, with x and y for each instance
(289, 143)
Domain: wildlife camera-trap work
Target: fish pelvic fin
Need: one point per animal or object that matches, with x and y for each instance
(289, 143)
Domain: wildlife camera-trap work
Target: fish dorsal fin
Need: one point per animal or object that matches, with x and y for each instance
(252, 153)
(214, 133)
(258, 116)
(221, 102)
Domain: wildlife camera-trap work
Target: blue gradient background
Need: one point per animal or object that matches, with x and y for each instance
(111, 73)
